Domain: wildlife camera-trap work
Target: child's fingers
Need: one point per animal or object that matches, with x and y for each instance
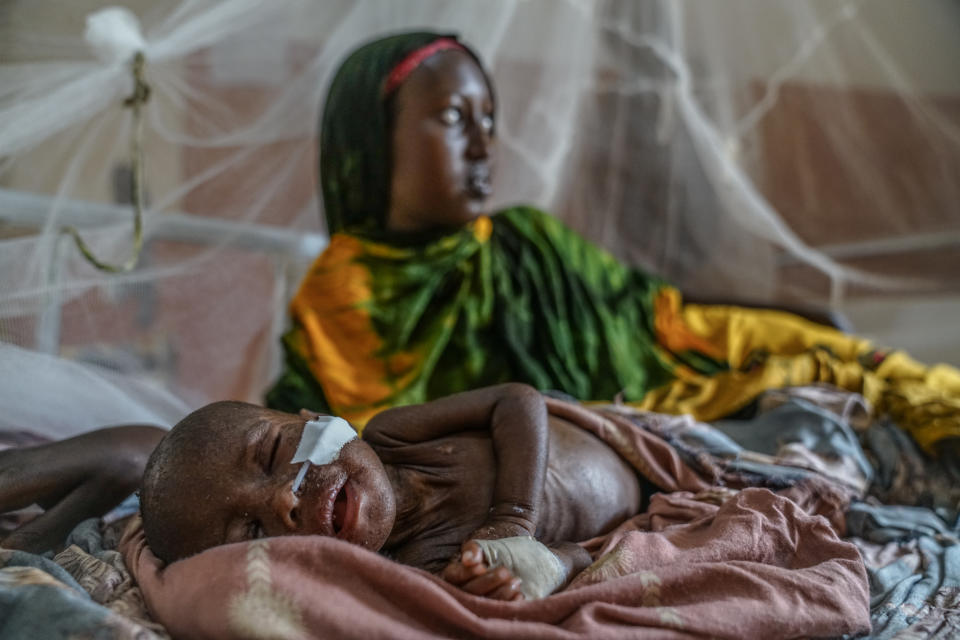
(468, 566)
(471, 554)
(457, 573)
(509, 592)
(471, 574)
(488, 582)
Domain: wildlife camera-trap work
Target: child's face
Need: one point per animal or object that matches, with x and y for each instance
(243, 490)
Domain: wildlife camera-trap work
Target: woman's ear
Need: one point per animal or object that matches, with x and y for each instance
(306, 414)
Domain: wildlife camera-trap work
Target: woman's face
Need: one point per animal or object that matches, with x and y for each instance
(442, 167)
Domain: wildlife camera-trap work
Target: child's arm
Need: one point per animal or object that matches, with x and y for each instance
(516, 416)
(72, 479)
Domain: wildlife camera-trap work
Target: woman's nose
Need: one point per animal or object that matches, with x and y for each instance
(286, 505)
(478, 144)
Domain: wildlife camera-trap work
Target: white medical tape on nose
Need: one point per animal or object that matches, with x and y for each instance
(322, 440)
(320, 443)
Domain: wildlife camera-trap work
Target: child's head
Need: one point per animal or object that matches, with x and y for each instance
(224, 474)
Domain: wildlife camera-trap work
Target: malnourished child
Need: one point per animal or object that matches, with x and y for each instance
(432, 486)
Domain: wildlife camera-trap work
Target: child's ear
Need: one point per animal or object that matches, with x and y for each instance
(306, 414)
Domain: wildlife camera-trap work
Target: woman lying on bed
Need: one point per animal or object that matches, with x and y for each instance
(421, 294)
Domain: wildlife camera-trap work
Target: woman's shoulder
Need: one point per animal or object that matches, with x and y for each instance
(523, 213)
(532, 221)
(587, 258)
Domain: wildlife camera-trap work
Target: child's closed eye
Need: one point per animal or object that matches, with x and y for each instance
(268, 456)
(273, 453)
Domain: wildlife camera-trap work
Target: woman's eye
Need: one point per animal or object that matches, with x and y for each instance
(451, 116)
(487, 123)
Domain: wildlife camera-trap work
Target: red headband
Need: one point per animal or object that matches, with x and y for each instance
(413, 60)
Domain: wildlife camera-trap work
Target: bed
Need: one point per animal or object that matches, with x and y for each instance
(810, 518)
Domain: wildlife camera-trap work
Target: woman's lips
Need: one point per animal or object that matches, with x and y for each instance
(478, 182)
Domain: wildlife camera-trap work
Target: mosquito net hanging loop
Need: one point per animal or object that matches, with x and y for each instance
(114, 35)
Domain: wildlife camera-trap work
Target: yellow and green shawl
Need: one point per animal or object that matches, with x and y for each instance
(381, 321)
(521, 297)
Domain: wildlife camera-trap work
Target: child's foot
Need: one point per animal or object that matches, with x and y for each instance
(471, 573)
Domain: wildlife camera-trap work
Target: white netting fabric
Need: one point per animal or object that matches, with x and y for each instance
(773, 150)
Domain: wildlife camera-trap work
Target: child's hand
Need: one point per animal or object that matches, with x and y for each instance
(471, 573)
(523, 564)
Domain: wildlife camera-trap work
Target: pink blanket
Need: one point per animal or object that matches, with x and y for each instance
(700, 562)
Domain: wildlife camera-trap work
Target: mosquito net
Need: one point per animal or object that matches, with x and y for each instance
(770, 150)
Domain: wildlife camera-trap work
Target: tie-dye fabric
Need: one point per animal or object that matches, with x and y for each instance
(521, 297)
